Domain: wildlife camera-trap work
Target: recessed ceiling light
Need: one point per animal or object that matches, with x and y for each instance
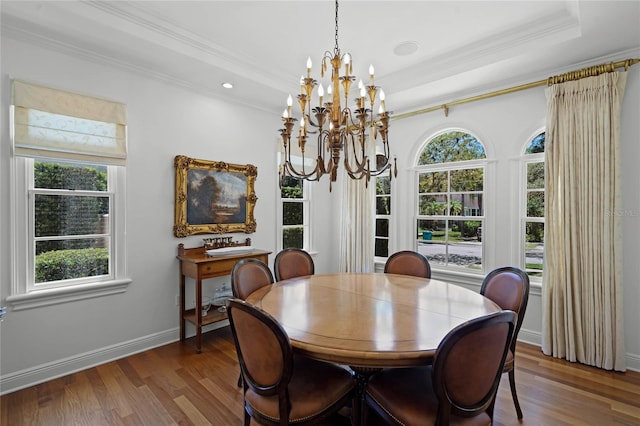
(406, 48)
(227, 85)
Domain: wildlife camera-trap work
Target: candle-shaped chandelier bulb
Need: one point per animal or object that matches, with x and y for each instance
(320, 94)
(338, 127)
(289, 103)
(309, 66)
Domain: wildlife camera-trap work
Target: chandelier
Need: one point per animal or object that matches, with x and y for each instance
(355, 133)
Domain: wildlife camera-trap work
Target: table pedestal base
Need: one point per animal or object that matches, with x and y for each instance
(362, 375)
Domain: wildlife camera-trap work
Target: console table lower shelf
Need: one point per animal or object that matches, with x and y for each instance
(212, 316)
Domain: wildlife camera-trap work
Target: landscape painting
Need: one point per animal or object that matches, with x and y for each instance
(213, 197)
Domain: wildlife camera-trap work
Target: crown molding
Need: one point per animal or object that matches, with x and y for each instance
(21, 31)
(539, 32)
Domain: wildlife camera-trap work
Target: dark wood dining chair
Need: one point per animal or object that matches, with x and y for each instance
(459, 387)
(247, 276)
(408, 262)
(293, 262)
(278, 388)
(508, 287)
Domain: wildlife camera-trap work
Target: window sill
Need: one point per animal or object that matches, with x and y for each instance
(56, 296)
(466, 278)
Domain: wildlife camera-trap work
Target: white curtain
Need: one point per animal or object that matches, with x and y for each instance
(582, 291)
(357, 217)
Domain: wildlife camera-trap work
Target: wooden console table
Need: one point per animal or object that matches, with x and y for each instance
(197, 264)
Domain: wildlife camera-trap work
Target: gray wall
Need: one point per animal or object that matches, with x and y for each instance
(164, 121)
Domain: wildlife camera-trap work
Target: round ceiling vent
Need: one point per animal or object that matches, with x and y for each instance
(406, 48)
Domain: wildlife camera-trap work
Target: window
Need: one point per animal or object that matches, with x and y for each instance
(450, 188)
(295, 213)
(68, 216)
(533, 207)
(71, 234)
(383, 216)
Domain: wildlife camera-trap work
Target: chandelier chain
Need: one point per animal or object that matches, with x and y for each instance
(336, 50)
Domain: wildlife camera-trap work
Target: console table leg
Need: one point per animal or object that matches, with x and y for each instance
(198, 308)
(181, 303)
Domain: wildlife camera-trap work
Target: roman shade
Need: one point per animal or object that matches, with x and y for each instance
(52, 123)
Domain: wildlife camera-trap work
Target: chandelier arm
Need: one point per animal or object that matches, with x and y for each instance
(382, 170)
(318, 171)
(359, 173)
(320, 119)
(292, 171)
(367, 171)
(320, 161)
(356, 129)
(361, 166)
(288, 165)
(360, 159)
(324, 145)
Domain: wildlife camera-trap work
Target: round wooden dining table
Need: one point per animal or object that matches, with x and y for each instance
(369, 320)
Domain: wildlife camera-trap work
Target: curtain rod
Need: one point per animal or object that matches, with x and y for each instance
(570, 76)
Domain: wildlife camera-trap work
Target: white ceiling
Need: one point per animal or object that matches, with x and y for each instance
(464, 47)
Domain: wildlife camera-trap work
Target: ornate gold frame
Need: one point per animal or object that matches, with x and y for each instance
(182, 228)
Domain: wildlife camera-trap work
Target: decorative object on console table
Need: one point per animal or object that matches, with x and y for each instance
(198, 264)
(221, 295)
(213, 197)
(214, 244)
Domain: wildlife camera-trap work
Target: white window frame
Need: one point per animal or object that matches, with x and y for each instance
(306, 216)
(389, 218)
(524, 191)
(24, 293)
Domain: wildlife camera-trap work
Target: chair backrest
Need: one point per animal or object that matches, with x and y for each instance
(468, 365)
(264, 350)
(248, 275)
(293, 262)
(508, 287)
(408, 262)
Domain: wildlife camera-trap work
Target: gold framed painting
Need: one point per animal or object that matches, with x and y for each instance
(213, 197)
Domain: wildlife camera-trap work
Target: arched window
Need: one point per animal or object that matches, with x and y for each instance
(533, 206)
(450, 189)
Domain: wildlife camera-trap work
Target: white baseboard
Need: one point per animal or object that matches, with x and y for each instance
(633, 362)
(55, 369)
(531, 337)
(535, 338)
(52, 370)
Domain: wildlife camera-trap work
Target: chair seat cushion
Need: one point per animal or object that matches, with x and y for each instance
(315, 385)
(409, 391)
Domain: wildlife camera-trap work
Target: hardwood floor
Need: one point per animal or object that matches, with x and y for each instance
(172, 385)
